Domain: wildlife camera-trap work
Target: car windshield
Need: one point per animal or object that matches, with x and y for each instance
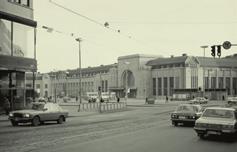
(38, 106)
(188, 108)
(218, 113)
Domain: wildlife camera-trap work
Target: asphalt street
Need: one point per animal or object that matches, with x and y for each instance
(139, 128)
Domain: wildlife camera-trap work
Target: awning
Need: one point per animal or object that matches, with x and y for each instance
(18, 19)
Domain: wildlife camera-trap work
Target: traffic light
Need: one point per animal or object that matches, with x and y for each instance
(213, 51)
(219, 51)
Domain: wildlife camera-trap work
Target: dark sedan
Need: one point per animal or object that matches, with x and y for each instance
(38, 114)
(186, 113)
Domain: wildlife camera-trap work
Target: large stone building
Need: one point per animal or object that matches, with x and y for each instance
(188, 76)
(17, 49)
(181, 77)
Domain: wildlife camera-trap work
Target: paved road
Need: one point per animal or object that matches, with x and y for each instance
(137, 129)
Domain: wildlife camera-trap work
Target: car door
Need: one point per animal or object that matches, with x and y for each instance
(48, 114)
(55, 111)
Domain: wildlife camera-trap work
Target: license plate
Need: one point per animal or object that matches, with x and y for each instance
(181, 117)
(213, 132)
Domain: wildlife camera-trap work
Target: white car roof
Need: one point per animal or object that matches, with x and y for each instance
(221, 108)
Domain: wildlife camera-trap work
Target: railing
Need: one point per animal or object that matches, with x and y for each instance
(102, 107)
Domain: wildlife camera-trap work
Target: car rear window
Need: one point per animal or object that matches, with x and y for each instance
(188, 108)
(218, 113)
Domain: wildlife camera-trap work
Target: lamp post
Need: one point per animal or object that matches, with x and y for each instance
(79, 70)
(204, 49)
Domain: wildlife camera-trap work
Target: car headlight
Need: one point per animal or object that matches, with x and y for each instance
(228, 126)
(26, 115)
(173, 115)
(10, 114)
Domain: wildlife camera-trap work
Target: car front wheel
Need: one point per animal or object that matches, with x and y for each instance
(175, 123)
(36, 121)
(60, 120)
(201, 135)
(14, 123)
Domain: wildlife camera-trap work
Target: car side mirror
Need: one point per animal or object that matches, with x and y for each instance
(45, 109)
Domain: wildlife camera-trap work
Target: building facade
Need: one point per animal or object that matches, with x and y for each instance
(17, 49)
(187, 77)
(141, 76)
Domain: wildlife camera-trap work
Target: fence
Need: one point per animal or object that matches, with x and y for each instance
(102, 107)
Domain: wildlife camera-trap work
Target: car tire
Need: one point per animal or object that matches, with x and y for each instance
(60, 119)
(175, 123)
(14, 123)
(201, 135)
(35, 121)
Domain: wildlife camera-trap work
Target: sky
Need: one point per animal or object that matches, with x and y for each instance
(152, 27)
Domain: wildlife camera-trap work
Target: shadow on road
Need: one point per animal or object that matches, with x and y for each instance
(222, 138)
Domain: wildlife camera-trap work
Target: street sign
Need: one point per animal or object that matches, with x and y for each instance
(226, 45)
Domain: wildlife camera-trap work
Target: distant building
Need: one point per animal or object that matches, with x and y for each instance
(180, 77)
(17, 53)
(187, 77)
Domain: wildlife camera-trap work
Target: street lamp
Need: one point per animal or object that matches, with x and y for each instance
(204, 49)
(79, 70)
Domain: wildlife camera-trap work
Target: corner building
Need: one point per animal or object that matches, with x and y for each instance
(17, 49)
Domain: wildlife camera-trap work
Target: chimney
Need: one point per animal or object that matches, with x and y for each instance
(172, 56)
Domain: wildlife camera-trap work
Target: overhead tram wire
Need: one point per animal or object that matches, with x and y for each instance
(104, 25)
(68, 34)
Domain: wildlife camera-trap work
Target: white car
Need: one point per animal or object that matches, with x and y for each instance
(217, 121)
(199, 100)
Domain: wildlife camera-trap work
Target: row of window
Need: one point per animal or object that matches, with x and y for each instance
(167, 87)
(16, 39)
(161, 86)
(21, 2)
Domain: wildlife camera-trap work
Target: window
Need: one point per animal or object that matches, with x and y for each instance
(165, 87)
(21, 2)
(25, 3)
(5, 37)
(171, 86)
(221, 82)
(159, 86)
(213, 82)
(227, 81)
(154, 86)
(206, 82)
(46, 86)
(177, 82)
(234, 86)
(37, 86)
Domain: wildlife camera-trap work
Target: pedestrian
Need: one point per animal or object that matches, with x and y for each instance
(167, 99)
(6, 105)
(146, 102)
(118, 99)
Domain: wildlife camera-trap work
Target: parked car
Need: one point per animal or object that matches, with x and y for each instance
(186, 113)
(199, 100)
(66, 99)
(217, 121)
(232, 102)
(39, 113)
